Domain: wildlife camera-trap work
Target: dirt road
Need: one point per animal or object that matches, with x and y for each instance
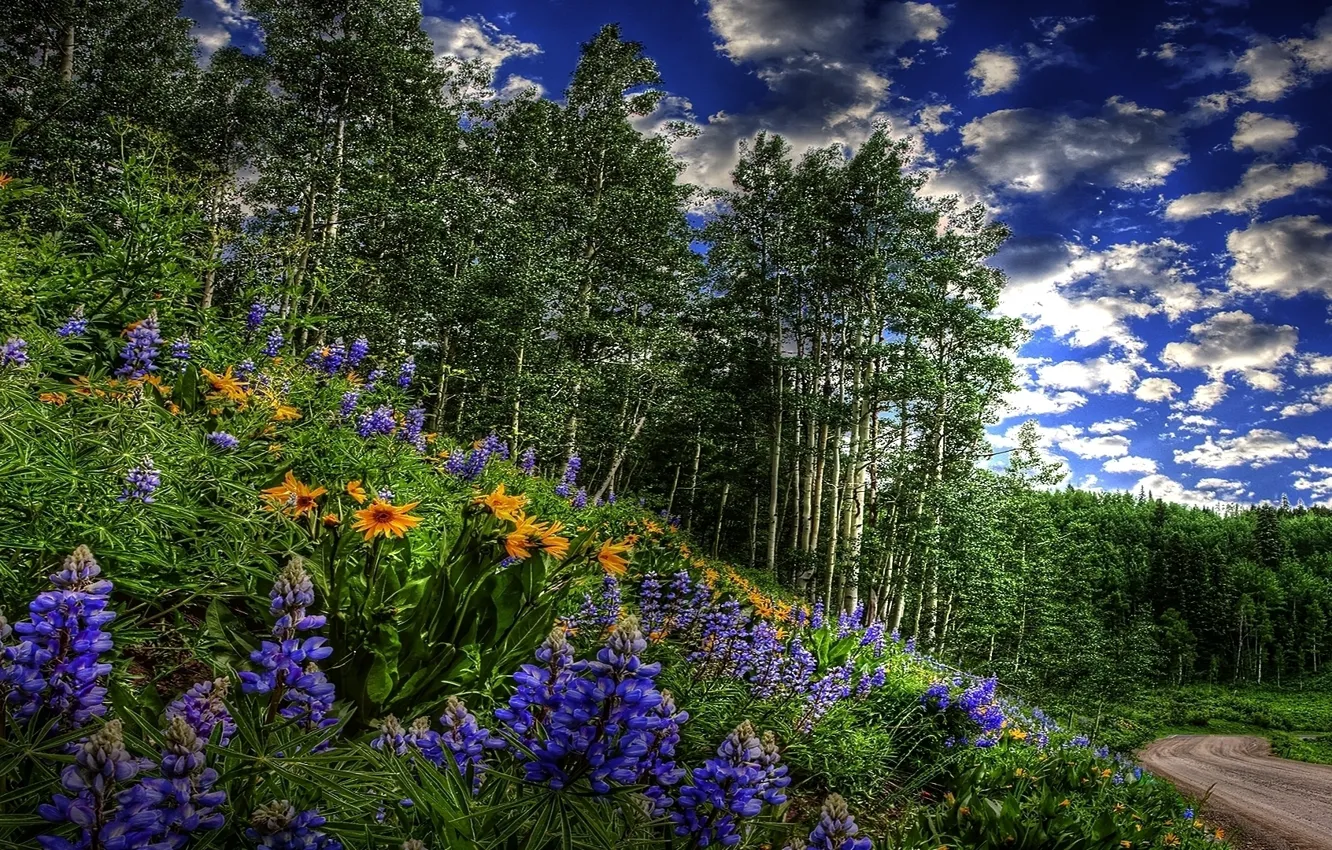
(1280, 804)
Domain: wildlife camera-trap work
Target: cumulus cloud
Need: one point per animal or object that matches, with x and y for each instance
(1286, 256)
(1311, 401)
(994, 70)
(1194, 423)
(1275, 67)
(475, 39)
(1130, 463)
(822, 66)
(1113, 426)
(1263, 182)
(1102, 374)
(1258, 448)
(1262, 133)
(1205, 396)
(1032, 151)
(1156, 389)
(1032, 401)
(930, 119)
(1086, 296)
(1314, 364)
(215, 23)
(1233, 342)
(1316, 481)
(1168, 489)
(1110, 445)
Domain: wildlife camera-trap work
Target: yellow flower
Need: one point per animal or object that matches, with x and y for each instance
(1019, 773)
(226, 386)
(53, 398)
(385, 518)
(1064, 803)
(1119, 807)
(1017, 734)
(501, 504)
(518, 543)
(1170, 840)
(331, 520)
(275, 448)
(293, 496)
(285, 413)
(556, 546)
(611, 560)
(1126, 843)
(356, 491)
(1220, 834)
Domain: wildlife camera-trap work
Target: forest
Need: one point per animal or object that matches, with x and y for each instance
(250, 297)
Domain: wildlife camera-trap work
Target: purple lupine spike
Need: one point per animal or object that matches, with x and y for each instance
(347, 406)
(223, 440)
(379, 421)
(140, 355)
(273, 345)
(836, 829)
(412, 424)
(725, 790)
(527, 461)
(406, 372)
(75, 325)
(14, 352)
(466, 740)
(278, 826)
(204, 707)
(141, 482)
(360, 347)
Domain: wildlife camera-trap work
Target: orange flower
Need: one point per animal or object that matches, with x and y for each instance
(611, 560)
(356, 491)
(556, 546)
(5, 180)
(226, 386)
(294, 497)
(285, 412)
(53, 398)
(386, 518)
(331, 520)
(1220, 834)
(1170, 840)
(172, 408)
(518, 543)
(354, 379)
(500, 504)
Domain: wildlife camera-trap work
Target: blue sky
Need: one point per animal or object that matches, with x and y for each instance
(1164, 167)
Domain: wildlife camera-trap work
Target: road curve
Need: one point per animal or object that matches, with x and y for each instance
(1279, 803)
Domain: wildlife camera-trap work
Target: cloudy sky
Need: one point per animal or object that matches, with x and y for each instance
(1163, 166)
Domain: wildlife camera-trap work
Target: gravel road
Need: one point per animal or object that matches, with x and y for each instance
(1279, 804)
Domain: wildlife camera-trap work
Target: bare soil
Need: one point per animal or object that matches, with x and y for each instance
(1277, 803)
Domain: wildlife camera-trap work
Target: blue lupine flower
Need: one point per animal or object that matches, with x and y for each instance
(604, 610)
(937, 696)
(466, 740)
(910, 647)
(493, 445)
(379, 421)
(1188, 813)
(384, 494)
(57, 665)
(375, 376)
(570, 479)
(14, 352)
(1102, 752)
(873, 638)
(255, 317)
(166, 811)
(656, 767)
(412, 425)
(580, 499)
(836, 829)
(816, 619)
(180, 351)
(827, 692)
(725, 789)
(277, 826)
(288, 666)
(348, 404)
(141, 352)
(223, 440)
(360, 347)
(392, 736)
(101, 763)
(141, 482)
(245, 369)
(273, 345)
(327, 358)
(541, 688)
(527, 461)
(1080, 741)
(406, 372)
(203, 706)
(75, 325)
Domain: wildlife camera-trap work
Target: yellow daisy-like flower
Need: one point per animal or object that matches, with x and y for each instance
(501, 504)
(331, 520)
(293, 496)
(386, 518)
(1170, 840)
(285, 413)
(555, 546)
(226, 386)
(356, 491)
(611, 560)
(53, 398)
(526, 534)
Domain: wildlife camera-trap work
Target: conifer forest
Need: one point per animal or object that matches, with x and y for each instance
(394, 459)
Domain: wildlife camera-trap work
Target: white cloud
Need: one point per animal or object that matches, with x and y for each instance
(1099, 375)
(1168, 489)
(1193, 422)
(1285, 256)
(1030, 401)
(1262, 133)
(1205, 396)
(930, 119)
(1274, 68)
(1317, 480)
(475, 39)
(1314, 364)
(1086, 296)
(1156, 389)
(1111, 445)
(1263, 182)
(764, 30)
(1113, 426)
(215, 21)
(1032, 151)
(516, 84)
(1130, 463)
(994, 70)
(1234, 342)
(1312, 400)
(1260, 447)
